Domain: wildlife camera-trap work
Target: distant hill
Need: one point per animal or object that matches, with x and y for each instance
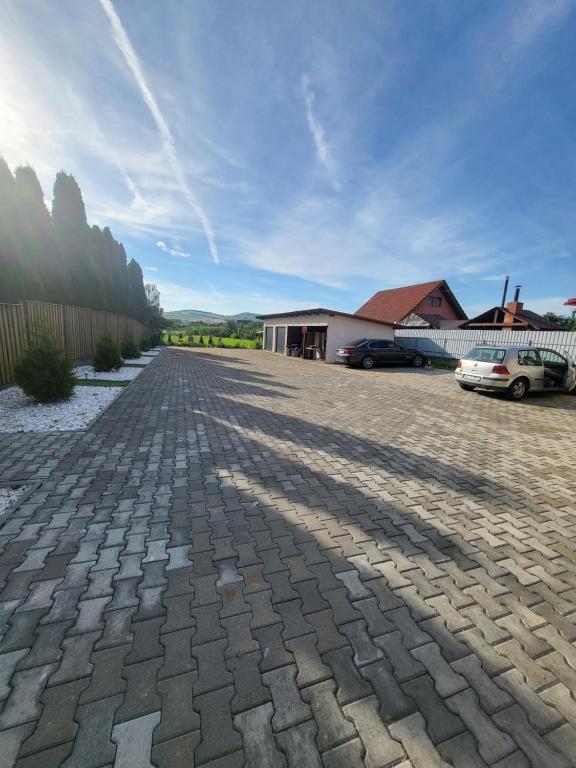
(188, 316)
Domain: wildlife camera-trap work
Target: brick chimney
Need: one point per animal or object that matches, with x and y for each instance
(514, 307)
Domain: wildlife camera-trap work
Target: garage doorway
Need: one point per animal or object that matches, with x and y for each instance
(310, 345)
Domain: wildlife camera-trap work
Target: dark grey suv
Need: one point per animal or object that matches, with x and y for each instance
(371, 352)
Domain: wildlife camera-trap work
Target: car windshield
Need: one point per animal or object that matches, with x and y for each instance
(486, 354)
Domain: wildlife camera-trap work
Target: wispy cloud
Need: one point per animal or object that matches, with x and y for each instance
(174, 250)
(126, 48)
(323, 151)
(152, 269)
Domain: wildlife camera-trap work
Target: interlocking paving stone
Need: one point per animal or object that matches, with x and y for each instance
(11, 740)
(272, 647)
(247, 682)
(289, 709)
(23, 702)
(411, 732)
(563, 740)
(333, 728)
(311, 669)
(259, 743)
(134, 741)
(218, 734)
(393, 702)
(176, 752)
(51, 756)
(446, 681)
(212, 672)
(75, 661)
(461, 752)
(514, 721)
(178, 713)
(347, 755)
(246, 555)
(299, 745)
(404, 664)
(8, 663)
(381, 749)
(539, 712)
(141, 697)
(491, 696)
(493, 744)
(107, 677)
(93, 746)
(56, 724)
(350, 686)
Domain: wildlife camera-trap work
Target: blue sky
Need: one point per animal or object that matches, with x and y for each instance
(262, 156)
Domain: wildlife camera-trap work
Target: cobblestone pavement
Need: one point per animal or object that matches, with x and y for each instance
(252, 560)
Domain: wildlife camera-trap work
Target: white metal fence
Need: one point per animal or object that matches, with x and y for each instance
(454, 344)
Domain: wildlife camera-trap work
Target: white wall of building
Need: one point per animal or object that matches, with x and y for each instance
(341, 330)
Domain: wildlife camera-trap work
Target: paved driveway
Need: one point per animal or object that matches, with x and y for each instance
(252, 560)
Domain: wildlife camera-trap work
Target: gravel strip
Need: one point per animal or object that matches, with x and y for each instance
(10, 495)
(123, 374)
(142, 360)
(19, 413)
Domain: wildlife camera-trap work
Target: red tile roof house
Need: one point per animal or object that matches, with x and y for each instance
(426, 305)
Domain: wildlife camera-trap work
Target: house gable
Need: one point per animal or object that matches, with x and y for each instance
(397, 305)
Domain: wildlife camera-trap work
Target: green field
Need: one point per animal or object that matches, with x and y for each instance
(216, 341)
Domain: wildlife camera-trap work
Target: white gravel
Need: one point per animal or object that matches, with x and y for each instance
(123, 374)
(19, 413)
(138, 360)
(9, 495)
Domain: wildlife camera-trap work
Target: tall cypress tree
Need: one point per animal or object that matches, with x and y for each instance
(11, 284)
(74, 237)
(137, 292)
(103, 288)
(60, 258)
(38, 250)
(126, 300)
(114, 257)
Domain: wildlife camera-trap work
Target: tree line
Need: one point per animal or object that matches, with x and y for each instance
(56, 255)
(233, 329)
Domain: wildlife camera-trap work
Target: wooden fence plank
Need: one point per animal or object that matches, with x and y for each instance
(76, 329)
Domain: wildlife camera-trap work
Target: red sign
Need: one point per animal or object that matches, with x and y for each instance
(304, 330)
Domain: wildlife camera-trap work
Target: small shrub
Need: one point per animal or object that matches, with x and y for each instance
(45, 373)
(130, 349)
(107, 356)
(201, 341)
(146, 345)
(210, 341)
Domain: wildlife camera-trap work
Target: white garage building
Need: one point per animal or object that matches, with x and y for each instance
(316, 334)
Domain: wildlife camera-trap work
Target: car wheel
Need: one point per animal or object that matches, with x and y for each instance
(518, 389)
(368, 362)
(467, 387)
(417, 361)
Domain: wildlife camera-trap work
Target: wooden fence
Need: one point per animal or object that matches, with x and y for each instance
(75, 329)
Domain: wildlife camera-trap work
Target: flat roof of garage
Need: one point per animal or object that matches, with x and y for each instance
(322, 311)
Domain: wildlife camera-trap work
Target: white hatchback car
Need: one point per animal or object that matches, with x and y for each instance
(516, 370)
